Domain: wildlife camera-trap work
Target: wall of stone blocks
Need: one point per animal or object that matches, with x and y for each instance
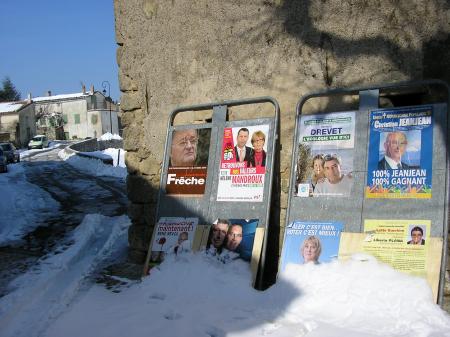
(179, 52)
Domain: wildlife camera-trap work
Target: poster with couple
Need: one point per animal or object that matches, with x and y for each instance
(243, 163)
(324, 162)
(231, 239)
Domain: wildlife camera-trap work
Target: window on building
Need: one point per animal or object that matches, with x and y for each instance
(77, 118)
(65, 119)
(94, 119)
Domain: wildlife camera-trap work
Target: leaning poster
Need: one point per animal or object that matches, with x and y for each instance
(172, 235)
(324, 163)
(400, 153)
(243, 163)
(399, 243)
(188, 160)
(311, 242)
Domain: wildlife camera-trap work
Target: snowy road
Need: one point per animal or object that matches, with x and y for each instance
(77, 193)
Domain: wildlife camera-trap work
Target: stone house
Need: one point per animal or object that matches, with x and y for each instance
(76, 116)
(17, 122)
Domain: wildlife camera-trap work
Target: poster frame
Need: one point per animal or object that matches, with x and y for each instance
(369, 99)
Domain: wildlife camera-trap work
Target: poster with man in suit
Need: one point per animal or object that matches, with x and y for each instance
(400, 153)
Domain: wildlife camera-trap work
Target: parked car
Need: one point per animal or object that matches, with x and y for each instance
(38, 142)
(3, 162)
(10, 152)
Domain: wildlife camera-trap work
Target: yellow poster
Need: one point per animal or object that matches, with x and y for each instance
(399, 243)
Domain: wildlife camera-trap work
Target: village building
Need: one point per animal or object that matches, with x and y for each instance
(76, 116)
(17, 122)
(87, 114)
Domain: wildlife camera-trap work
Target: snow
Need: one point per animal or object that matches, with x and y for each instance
(109, 136)
(22, 204)
(195, 295)
(96, 167)
(62, 96)
(10, 106)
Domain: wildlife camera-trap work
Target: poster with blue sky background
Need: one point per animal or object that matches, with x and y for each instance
(400, 153)
(302, 237)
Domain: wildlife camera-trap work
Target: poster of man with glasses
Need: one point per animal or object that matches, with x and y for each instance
(400, 153)
(188, 160)
(324, 162)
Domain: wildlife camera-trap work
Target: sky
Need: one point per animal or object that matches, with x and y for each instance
(194, 294)
(57, 45)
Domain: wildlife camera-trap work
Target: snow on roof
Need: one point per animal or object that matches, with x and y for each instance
(60, 97)
(10, 106)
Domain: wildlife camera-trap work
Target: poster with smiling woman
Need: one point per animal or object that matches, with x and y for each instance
(310, 242)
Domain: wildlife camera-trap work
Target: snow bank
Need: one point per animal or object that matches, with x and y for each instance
(93, 166)
(22, 204)
(194, 296)
(42, 294)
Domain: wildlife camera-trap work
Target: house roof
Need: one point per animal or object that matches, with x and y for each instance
(11, 106)
(61, 97)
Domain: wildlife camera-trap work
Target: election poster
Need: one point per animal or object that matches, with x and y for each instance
(311, 242)
(400, 153)
(324, 162)
(243, 163)
(188, 165)
(173, 235)
(399, 243)
(232, 239)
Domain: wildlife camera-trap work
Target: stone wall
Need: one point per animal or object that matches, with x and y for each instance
(188, 52)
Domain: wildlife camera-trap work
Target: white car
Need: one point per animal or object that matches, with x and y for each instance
(38, 142)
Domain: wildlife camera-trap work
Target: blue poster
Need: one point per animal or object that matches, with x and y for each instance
(311, 242)
(400, 153)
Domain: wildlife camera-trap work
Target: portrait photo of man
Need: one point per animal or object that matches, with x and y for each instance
(234, 237)
(217, 236)
(416, 236)
(394, 148)
(335, 182)
(183, 151)
(243, 153)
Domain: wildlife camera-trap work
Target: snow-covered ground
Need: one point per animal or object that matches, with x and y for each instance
(97, 167)
(21, 204)
(192, 295)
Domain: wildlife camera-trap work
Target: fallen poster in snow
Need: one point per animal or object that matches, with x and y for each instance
(187, 170)
(324, 162)
(231, 239)
(311, 242)
(243, 163)
(173, 235)
(400, 153)
(399, 243)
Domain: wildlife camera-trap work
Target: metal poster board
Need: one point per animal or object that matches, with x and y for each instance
(217, 177)
(377, 166)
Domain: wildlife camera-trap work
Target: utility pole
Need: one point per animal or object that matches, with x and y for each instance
(104, 84)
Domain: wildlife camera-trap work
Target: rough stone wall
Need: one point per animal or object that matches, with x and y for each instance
(182, 52)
